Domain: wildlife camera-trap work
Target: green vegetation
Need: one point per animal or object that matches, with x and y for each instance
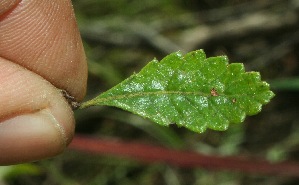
(121, 36)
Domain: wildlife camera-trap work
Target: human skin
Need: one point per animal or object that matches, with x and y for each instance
(41, 53)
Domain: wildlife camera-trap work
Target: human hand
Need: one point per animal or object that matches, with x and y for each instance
(40, 54)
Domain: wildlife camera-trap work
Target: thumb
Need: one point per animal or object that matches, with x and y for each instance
(35, 121)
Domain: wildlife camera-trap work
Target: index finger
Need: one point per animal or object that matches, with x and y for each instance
(43, 37)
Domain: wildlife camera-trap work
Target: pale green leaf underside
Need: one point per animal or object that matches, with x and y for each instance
(191, 91)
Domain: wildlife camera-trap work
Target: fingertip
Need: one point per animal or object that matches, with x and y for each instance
(36, 121)
(43, 37)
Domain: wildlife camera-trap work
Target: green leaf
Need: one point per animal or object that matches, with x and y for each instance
(191, 91)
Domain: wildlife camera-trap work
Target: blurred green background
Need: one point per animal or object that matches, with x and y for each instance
(121, 36)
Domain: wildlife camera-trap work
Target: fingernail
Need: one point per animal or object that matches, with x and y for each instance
(30, 137)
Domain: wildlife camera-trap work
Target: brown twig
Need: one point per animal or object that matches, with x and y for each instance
(187, 159)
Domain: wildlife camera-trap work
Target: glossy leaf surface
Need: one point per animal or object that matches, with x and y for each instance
(191, 91)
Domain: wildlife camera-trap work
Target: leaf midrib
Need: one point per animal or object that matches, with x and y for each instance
(101, 101)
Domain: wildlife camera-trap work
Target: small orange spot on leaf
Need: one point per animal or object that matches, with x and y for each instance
(214, 92)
